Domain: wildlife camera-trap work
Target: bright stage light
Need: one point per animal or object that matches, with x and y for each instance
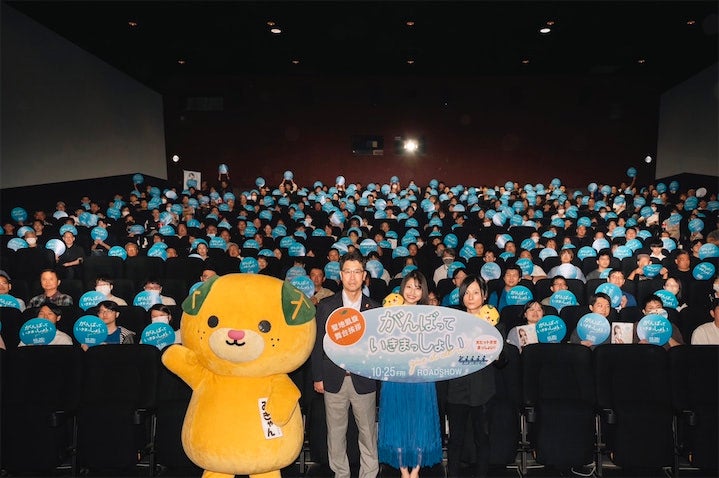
(411, 145)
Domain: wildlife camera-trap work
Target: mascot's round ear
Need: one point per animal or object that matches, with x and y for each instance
(296, 307)
(194, 301)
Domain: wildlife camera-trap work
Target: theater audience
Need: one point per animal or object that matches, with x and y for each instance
(108, 311)
(6, 287)
(50, 283)
(105, 285)
(53, 314)
(653, 305)
(566, 268)
(155, 287)
(448, 209)
(71, 259)
(708, 333)
(159, 313)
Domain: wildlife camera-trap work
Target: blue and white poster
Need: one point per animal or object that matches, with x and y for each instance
(90, 330)
(147, 299)
(158, 334)
(37, 331)
(655, 329)
(416, 343)
(90, 299)
(191, 179)
(561, 299)
(551, 329)
(593, 327)
(6, 300)
(519, 295)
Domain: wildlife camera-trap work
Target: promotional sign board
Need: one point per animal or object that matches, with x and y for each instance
(415, 343)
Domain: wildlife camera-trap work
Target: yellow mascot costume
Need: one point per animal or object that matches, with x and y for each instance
(393, 299)
(242, 334)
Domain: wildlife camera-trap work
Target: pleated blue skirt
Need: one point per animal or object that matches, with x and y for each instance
(409, 433)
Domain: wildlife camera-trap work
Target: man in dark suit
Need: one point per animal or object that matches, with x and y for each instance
(341, 388)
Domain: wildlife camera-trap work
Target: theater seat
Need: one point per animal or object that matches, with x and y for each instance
(118, 396)
(41, 392)
(101, 266)
(11, 319)
(695, 396)
(559, 400)
(634, 399)
(173, 397)
(505, 409)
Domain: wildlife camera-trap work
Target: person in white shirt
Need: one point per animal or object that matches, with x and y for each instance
(53, 313)
(161, 313)
(448, 256)
(153, 285)
(708, 334)
(104, 286)
(566, 268)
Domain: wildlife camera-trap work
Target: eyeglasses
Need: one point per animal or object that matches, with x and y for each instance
(354, 272)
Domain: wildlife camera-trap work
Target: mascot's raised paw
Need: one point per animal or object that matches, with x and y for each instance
(242, 334)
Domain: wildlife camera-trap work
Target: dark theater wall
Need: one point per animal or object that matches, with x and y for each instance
(476, 130)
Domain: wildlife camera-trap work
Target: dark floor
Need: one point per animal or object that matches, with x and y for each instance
(438, 471)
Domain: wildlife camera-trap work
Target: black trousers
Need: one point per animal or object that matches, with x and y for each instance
(458, 415)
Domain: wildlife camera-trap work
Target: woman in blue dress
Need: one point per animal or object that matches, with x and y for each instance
(409, 432)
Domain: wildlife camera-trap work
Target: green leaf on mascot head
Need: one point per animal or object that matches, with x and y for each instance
(194, 301)
(296, 307)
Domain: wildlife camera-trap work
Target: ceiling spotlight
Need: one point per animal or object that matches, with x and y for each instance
(270, 23)
(410, 145)
(545, 30)
(525, 61)
(181, 61)
(295, 61)
(648, 159)
(691, 22)
(410, 61)
(641, 61)
(275, 30)
(550, 23)
(132, 24)
(175, 158)
(409, 23)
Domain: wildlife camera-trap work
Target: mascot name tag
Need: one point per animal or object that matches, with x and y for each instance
(268, 426)
(410, 343)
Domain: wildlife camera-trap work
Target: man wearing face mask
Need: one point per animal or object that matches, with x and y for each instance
(153, 286)
(210, 231)
(560, 213)
(104, 286)
(653, 218)
(160, 313)
(31, 238)
(448, 255)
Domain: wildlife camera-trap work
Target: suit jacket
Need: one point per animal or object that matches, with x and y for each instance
(324, 369)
